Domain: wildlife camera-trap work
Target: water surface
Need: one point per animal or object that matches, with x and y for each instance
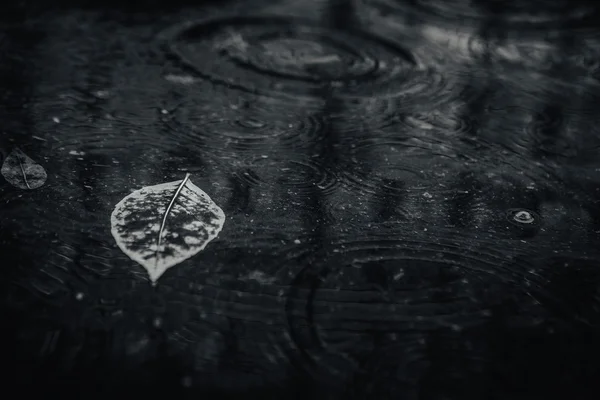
(411, 191)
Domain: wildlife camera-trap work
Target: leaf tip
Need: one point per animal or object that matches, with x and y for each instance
(155, 272)
(154, 275)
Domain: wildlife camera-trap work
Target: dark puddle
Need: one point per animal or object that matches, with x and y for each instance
(411, 192)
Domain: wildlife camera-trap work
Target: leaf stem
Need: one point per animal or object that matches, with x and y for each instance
(166, 214)
(23, 170)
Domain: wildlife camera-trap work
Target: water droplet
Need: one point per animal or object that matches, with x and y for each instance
(181, 79)
(102, 94)
(252, 123)
(524, 217)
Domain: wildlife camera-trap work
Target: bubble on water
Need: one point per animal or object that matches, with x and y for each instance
(523, 217)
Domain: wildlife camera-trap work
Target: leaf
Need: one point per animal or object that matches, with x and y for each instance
(21, 171)
(160, 226)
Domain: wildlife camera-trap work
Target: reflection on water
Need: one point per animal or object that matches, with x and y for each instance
(411, 190)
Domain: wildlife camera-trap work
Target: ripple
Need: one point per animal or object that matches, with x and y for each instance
(299, 176)
(541, 55)
(446, 121)
(349, 211)
(316, 304)
(486, 200)
(526, 15)
(400, 282)
(295, 57)
(389, 165)
(106, 131)
(260, 127)
(71, 240)
(554, 133)
(523, 218)
(385, 282)
(364, 115)
(346, 212)
(503, 50)
(386, 116)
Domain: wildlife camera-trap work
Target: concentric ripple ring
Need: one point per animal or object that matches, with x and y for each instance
(290, 56)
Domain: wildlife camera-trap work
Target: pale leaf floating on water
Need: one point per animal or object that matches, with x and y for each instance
(21, 171)
(160, 226)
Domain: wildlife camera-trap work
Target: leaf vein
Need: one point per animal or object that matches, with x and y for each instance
(166, 214)
(23, 171)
